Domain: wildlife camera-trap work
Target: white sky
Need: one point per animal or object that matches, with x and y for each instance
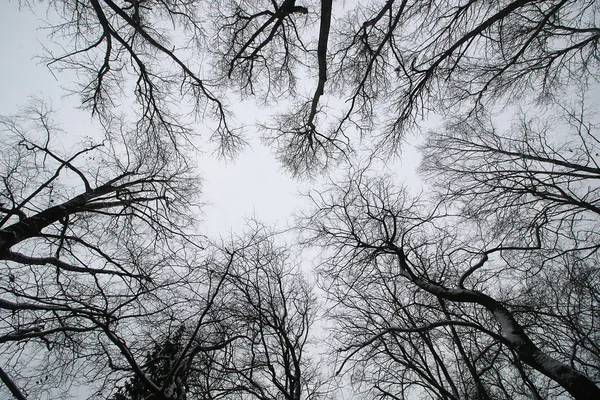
(254, 185)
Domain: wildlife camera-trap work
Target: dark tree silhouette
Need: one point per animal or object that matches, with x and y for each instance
(264, 311)
(390, 61)
(448, 56)
(486, 288)
(114, 45)
(276, 309)
(88, 240)
(487, 292)
(157, 367)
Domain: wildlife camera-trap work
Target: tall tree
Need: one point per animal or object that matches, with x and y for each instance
(276, 310)
(265, 311)
(390, 61)
(109, 265)
(486, 291)
(88, 241)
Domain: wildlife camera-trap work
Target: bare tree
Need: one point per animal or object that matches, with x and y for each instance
(191, 336)
(417, 56)
(390, 61)
(540, 172)
(129, 45)
(487, 291)
(85, 242)
(260, 47)
(261, 316)
(393, 61)
(276, 310)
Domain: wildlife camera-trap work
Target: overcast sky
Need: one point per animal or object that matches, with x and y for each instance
(254, 185)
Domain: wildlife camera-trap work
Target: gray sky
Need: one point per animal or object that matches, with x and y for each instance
(253, 185)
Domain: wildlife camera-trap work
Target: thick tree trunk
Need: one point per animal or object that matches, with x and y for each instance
(32, 226)
(577, 384)
(12, 387)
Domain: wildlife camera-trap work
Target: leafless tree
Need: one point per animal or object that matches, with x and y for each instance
(133, 46)
(260, 47)
(185, 339)
(390, 61)
(276, 310)
(488, 290)
(88, 241)
(540, 171)
(260, 322)
(393, 61)
(417, 56)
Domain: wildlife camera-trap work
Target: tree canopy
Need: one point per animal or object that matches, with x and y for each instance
(483, 286)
